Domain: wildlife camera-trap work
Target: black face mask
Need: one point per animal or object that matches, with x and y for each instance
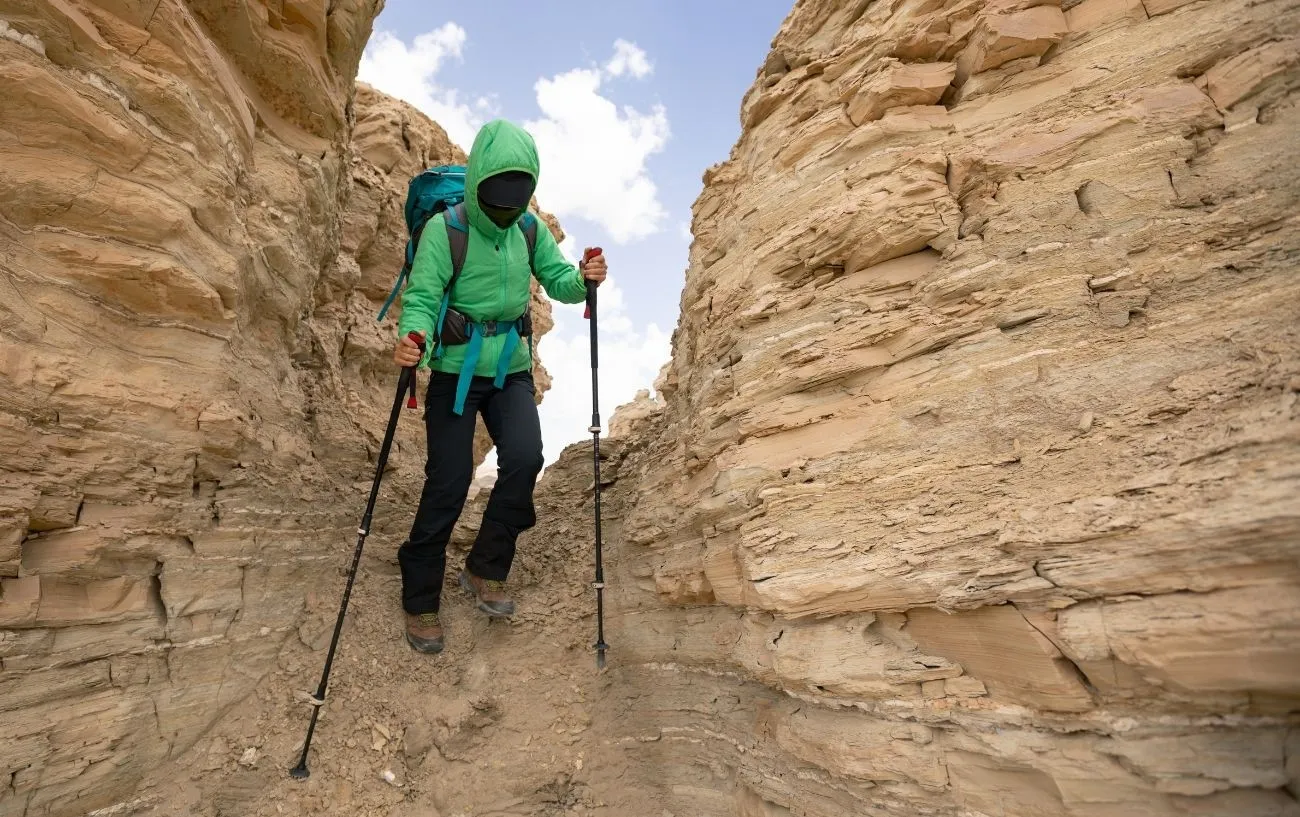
(505, 196)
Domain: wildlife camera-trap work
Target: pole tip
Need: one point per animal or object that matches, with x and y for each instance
(300, 772)
(600, 660)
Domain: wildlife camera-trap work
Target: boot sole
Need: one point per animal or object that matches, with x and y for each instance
(421, 645)
(482, 606)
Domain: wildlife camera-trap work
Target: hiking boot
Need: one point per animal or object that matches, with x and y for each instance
(424, 632)
(489, 593)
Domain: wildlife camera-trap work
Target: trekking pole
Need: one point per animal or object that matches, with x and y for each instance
(599, 584)
(405, 382)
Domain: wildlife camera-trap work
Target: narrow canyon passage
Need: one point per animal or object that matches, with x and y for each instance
(972, 488)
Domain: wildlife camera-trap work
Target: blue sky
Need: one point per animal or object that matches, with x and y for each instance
(629, 103)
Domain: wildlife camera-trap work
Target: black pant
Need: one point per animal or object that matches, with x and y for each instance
(510, 414)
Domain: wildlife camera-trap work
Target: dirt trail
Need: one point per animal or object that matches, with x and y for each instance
(503, 722)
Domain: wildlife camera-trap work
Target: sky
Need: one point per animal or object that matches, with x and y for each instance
(629, 104)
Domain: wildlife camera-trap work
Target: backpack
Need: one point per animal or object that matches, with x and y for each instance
(442, 189)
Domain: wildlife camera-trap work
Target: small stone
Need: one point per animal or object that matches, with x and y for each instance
(1110, 282)
(964, 686)
(1116, 308)
(1085, 422)
(915, 732)
(343, 792)
(1021, 318)
(249, 757)
(417, 740)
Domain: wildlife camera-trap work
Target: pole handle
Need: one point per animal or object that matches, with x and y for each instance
(415, 338)
(587, 255)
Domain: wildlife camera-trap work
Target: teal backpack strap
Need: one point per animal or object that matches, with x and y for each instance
(472, 352)
(507, 352)
(392, 296)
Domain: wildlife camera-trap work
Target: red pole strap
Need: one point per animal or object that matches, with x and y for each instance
(590, 253)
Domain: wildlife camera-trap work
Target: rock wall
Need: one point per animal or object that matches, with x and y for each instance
(199, 217)
(977, 486)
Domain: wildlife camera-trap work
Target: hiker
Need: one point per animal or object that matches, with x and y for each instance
(479, 365)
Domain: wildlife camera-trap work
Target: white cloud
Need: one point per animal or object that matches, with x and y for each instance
(569, 246)
(630, 356)
(594, 153)
(410, 74)
(628, 59)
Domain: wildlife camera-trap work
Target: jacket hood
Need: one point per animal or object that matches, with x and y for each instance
(500, 146)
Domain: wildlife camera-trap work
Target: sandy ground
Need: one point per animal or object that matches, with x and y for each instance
(500, 723)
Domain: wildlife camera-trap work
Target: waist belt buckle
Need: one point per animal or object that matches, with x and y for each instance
(489, 328)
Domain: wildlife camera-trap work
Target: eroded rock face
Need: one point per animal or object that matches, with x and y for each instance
(198, 222)
(975, 490)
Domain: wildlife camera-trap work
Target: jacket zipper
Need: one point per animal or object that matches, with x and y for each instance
(501, 258)
(505, 271)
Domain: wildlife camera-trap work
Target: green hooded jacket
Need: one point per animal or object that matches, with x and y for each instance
(494, 282)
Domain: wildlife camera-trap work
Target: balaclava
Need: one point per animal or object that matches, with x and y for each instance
(504, 196)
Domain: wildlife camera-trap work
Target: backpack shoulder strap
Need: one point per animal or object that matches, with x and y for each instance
(529, 225)
(458, 241)
(458, 238)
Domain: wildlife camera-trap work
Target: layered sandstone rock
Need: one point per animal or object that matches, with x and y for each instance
(977, 486)
(971, 489)
(198, 220)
